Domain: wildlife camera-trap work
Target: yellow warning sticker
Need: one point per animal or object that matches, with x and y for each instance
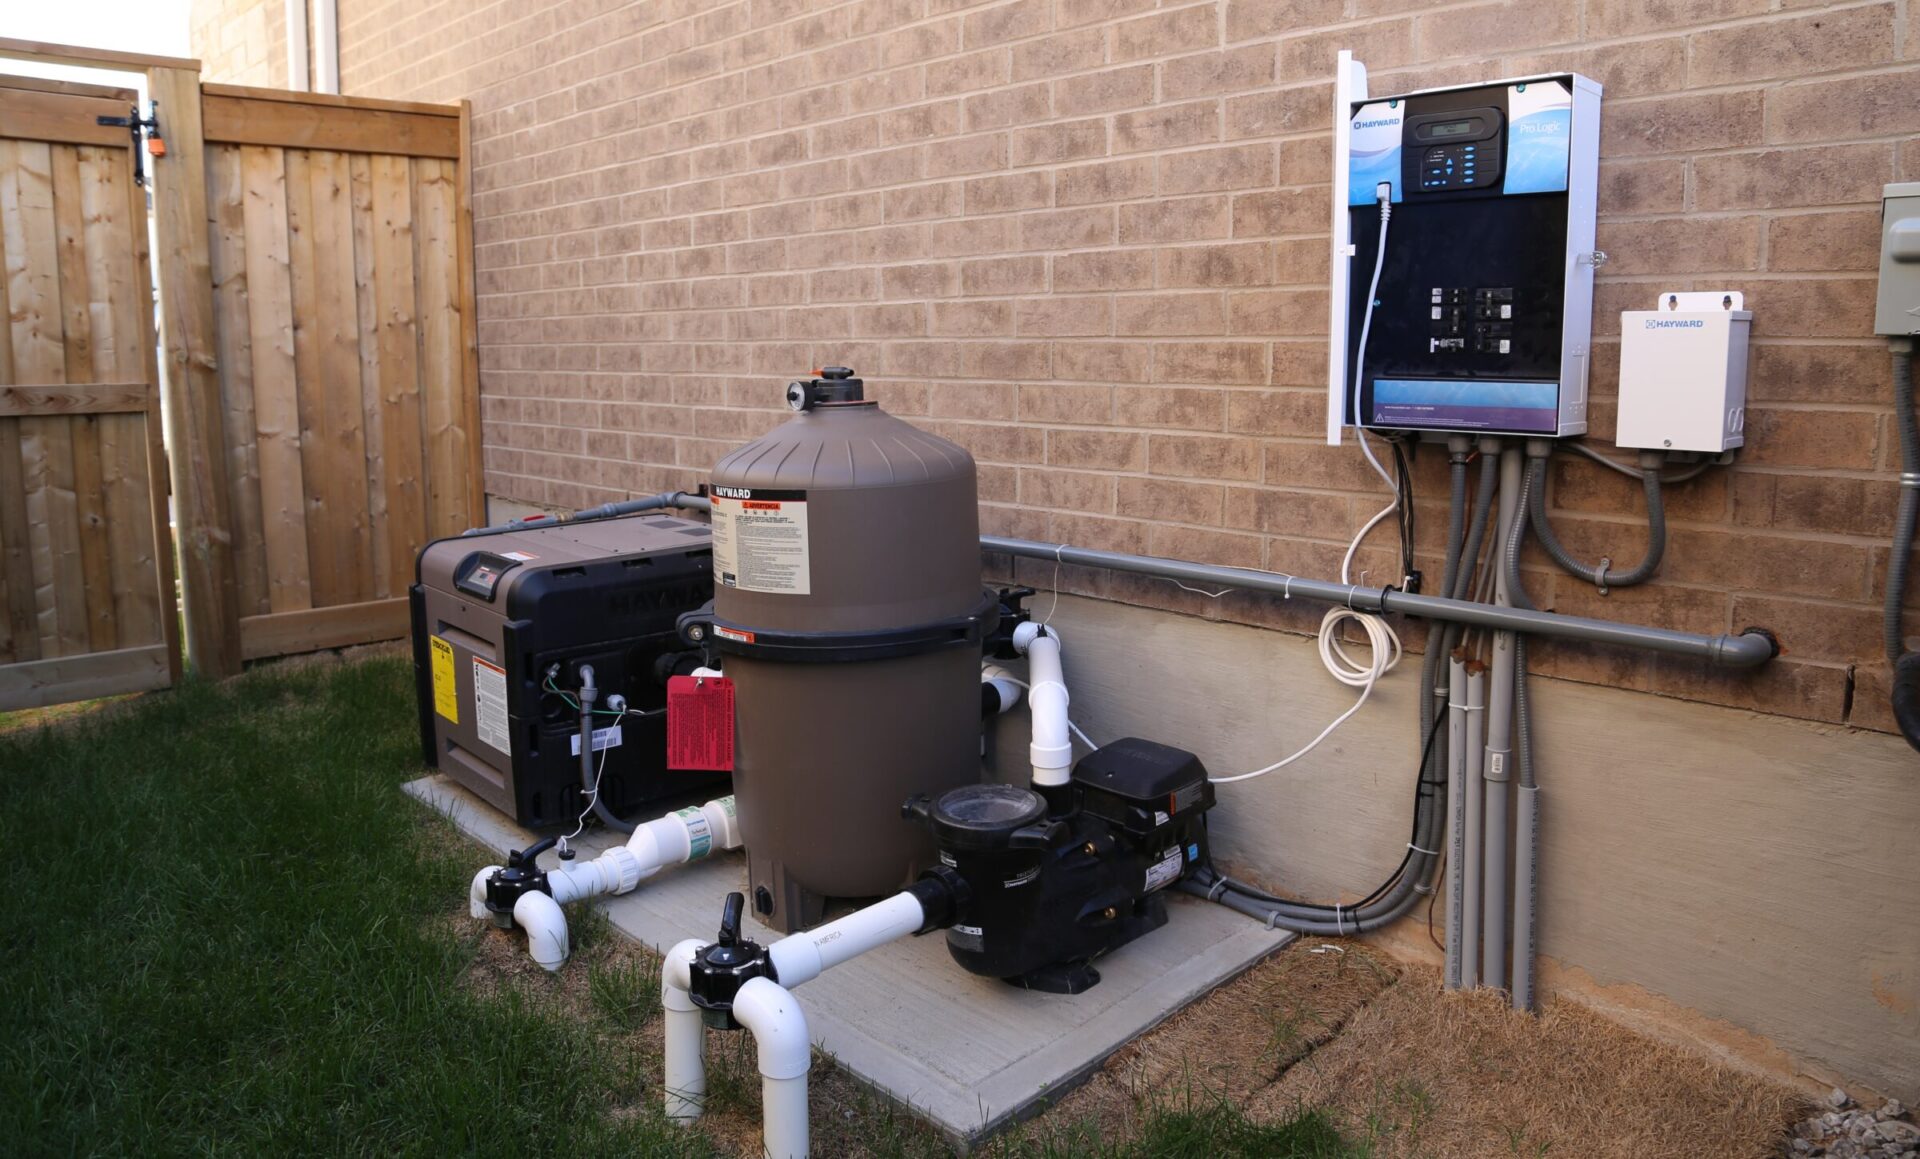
(446, 698)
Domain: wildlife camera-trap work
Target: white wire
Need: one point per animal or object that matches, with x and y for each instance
(1342, 667)
(1380, 636)
(1386, 653)
(599, 771)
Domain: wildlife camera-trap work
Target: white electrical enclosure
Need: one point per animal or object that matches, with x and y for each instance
(1683, 373)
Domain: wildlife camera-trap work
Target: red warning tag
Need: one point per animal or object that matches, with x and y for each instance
(700, 723)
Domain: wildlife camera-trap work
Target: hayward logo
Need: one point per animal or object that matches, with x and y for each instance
(734, 492)
(1378, 123)
(1675, 324)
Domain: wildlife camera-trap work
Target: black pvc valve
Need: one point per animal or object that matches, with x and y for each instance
(720, 968)
(520, 876)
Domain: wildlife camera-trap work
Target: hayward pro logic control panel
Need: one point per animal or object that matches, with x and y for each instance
(1483, 312)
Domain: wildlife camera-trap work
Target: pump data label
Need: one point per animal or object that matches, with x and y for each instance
(760, 541)
(490, 705)
(446, 696)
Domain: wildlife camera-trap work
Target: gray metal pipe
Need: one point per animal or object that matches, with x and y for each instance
(1746, 650)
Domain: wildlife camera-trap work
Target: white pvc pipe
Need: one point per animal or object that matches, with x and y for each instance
(779, 1028)
(801, 957)
(326, 46)
(296, 11)
(1470, 864)
(684, 835)
(1004, 684)
(1456, 813)
(685, 1072)
(477, 893)
(769, 1011)
(546, 928)
(1052, 749)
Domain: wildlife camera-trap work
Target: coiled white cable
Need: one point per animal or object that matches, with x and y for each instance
(1386, 653)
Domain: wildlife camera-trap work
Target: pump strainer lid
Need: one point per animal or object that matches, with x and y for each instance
(984, 816)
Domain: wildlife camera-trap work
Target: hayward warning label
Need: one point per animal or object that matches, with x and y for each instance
(446, 695)
(760, 540)
(490, 705)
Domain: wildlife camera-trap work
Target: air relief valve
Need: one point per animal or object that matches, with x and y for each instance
(1683, 373)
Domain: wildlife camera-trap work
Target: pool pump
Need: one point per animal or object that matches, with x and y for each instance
(1045, 881)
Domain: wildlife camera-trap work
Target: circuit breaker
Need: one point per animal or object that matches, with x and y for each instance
(1482, 316)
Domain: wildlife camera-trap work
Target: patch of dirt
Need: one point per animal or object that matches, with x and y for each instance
(1421, 1071)
(1232, 1044)
(1405, 1068)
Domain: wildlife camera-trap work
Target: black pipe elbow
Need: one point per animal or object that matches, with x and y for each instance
(1906, 697)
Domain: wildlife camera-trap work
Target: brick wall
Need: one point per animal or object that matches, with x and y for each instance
(1086, 239)
(241, 42)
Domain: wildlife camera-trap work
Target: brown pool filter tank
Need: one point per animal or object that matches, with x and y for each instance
(849, 611)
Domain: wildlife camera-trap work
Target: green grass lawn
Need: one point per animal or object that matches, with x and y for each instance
(231, 934)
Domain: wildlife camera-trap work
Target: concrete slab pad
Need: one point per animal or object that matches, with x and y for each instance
(971, 1054)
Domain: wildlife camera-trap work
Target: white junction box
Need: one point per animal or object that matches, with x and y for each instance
(1683, 373)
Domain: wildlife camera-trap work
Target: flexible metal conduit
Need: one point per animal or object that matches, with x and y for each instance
(1745, 650)
(1601, 574)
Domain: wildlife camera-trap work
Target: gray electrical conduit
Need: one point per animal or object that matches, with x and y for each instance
(1414, 878)
(1600, 574)
(589, 776)
(1909, 510)
(1526, 870)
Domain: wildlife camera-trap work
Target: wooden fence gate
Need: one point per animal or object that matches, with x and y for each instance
(348, 391)
(86, 561)
(321, 386)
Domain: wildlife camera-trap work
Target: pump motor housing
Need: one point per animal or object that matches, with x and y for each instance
(1049, 886)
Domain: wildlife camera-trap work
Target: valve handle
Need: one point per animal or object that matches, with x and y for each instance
(730, 915)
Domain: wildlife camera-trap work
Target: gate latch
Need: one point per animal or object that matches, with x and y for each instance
(145, 130)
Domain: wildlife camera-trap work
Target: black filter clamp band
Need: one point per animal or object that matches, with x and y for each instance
(703, 627)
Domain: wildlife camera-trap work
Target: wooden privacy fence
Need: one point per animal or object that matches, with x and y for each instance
(315, 285)
(86, 566)
(346, 387)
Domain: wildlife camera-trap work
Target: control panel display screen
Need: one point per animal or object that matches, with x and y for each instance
(1452, 128)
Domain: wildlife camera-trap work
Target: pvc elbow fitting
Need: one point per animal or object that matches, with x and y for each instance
(684, 1070)
(546, 926)
(477, 893)
(779, 1028)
